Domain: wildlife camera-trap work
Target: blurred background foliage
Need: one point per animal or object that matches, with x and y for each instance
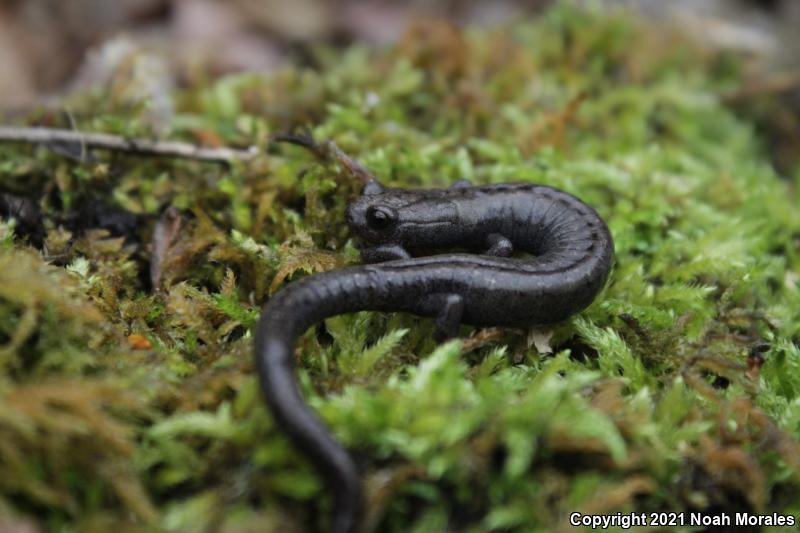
(129, 287)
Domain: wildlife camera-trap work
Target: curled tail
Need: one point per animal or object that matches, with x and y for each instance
(284, 318)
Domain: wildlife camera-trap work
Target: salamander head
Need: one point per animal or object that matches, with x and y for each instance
(400, 216)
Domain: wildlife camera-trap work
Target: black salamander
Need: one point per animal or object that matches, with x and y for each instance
(571, 253)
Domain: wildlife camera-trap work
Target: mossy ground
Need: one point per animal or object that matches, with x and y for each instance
(132, 406)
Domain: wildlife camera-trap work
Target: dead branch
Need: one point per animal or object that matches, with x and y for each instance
(116, 143)
(328, 151)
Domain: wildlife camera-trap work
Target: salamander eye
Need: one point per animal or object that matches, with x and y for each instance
(380, 217)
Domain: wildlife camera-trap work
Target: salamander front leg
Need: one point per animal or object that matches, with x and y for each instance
(449, 318)
(384, 252)
(498, 245)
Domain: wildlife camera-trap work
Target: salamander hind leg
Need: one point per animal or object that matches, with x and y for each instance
(498, 245)
(448, 319)
(384, 252)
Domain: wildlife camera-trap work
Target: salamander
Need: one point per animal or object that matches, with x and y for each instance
(532, 255)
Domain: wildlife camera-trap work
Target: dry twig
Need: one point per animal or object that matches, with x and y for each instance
(328, 151)
(106, 141)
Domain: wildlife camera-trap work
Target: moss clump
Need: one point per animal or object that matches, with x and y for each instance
(125, 367)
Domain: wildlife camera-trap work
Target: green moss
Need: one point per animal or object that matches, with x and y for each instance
(127, 405)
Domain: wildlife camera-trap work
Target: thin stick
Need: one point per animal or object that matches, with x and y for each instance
(106, 141)
(327, 151)
(776, 84)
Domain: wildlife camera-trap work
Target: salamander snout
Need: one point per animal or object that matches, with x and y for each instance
(356, 217)
(353, 217)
